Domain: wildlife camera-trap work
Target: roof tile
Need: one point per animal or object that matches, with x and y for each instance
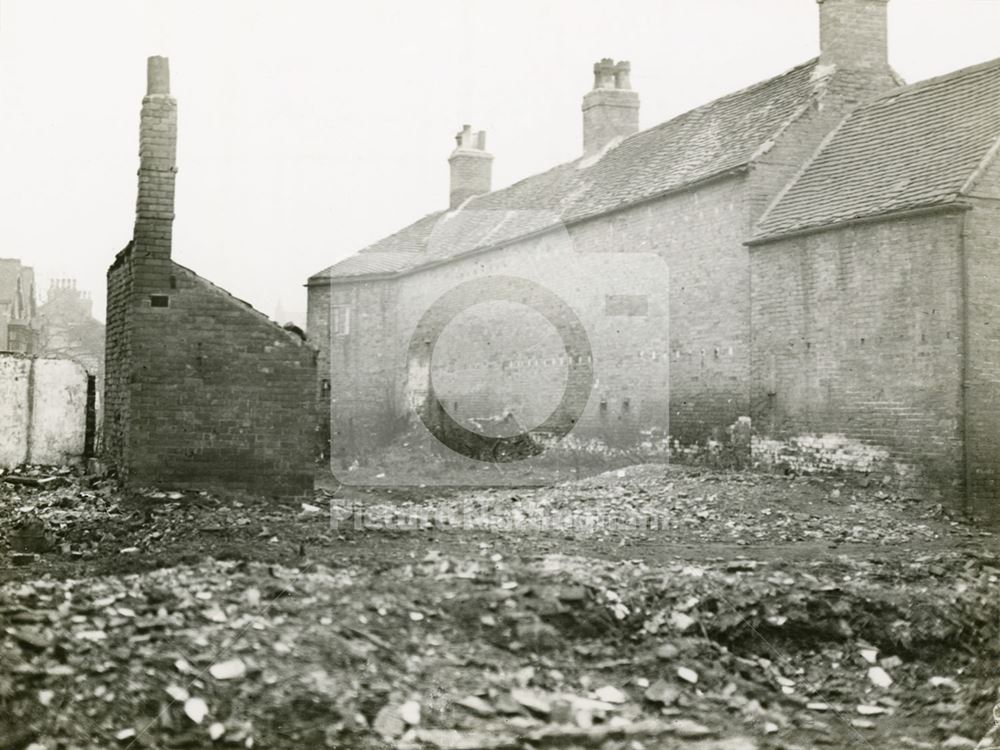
(713, 139)
(914, 147)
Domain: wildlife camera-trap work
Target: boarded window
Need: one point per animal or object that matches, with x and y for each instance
(629, 305)
(340, 323)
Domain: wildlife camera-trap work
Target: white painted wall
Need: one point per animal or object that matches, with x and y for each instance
(13, 409)
(43, 410)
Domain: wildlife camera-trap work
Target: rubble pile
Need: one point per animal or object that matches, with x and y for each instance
(685, 505)
(417, 641)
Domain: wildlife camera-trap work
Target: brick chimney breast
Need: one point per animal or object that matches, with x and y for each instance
(854, 34)
(471, 166)
(154, 206)
(611, 108)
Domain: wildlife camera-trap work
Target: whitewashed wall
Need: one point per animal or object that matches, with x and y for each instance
(43, 408)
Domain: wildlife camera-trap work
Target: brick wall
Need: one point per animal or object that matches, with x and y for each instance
(505, 356)
(701, 339)
(360, 367)
(117, 361)
(205, 392)
(698, 234)
(982, 376)
(854, 33)
(857, 334)
(225, 397)
(201, 390)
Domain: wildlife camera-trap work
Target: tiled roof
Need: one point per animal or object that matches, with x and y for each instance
(919, 146)
(711, 140)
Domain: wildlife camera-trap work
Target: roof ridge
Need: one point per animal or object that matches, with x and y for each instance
(233, 298)
(731, 95)
(664, 123)
(715, 139)
(917, 86)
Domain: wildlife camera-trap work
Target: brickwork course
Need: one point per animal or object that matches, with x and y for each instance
(828, 240)
(201, 390)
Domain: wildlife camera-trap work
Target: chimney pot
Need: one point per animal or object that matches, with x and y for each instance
(611, 109)
(604, 74)
(471, 166)
(622, 70)
(157, 76)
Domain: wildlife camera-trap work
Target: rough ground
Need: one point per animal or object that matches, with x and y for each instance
(681, 609)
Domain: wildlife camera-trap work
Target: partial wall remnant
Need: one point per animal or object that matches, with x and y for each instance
(201, 389)
(43, 410)
(822, 453)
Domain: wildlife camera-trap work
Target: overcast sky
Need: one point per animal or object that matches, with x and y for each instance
(309, 129)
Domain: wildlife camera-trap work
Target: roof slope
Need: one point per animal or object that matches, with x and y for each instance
(917, 147)
(711, 140)
(242, 305)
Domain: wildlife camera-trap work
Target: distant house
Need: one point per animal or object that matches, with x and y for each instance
(67, 328)
(851, 316)
(201, 390)
(18, 323)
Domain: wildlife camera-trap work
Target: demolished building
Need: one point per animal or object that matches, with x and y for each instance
(201, 390)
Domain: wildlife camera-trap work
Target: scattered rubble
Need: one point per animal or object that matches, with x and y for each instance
(442, 640)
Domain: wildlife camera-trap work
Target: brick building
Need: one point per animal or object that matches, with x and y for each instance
(18, 312)
(694, 191)
(67, 328)
(201, 389)
(875, 297)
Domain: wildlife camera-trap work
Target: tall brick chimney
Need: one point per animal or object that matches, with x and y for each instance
(854, 34)
(471, 166)
(154, 206)
(611, 109)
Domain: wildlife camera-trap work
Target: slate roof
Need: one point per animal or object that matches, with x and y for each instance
(712, 140)
(919, 146)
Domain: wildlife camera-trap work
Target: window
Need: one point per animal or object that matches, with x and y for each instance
(159, 300)
(340, 323)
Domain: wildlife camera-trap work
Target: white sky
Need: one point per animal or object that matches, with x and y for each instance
(309, 129)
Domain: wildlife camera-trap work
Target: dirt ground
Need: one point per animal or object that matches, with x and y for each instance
(647, 607)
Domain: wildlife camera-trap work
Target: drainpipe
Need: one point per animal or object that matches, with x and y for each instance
(964, 287)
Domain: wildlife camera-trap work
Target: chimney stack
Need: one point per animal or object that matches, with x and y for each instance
(154, 207)
(854, 34)
(471, 166)
(611, 109)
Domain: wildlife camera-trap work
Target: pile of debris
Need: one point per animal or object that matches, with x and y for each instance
(421, 641)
